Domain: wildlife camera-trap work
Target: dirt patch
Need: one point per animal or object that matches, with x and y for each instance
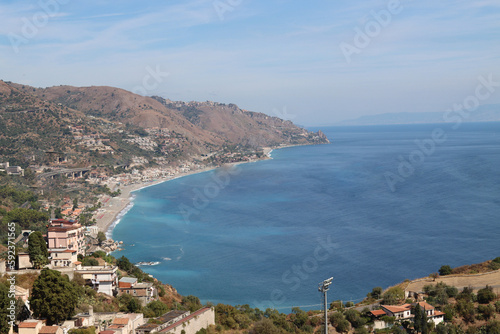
(476, 281)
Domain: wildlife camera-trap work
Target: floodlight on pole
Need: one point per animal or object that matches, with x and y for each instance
(323, 287)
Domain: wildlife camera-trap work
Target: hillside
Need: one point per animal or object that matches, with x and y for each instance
(106, 130)
(207, 123)
(60, 119)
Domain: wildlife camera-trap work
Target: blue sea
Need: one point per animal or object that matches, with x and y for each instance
(378, 205)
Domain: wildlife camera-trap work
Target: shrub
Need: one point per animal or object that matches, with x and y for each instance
(335, 318)
(343, 326)
(393, 295)
(376, 293)
(486, 295)
(451, 291)
(486, 311)
(445, 270)
(466, 295)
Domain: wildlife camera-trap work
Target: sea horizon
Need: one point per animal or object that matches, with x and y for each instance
(346, 187)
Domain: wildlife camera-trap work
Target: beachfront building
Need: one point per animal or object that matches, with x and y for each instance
(403, 312)
(145, 292)
(102, 278)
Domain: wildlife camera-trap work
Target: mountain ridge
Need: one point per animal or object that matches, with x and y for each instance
(61, 118)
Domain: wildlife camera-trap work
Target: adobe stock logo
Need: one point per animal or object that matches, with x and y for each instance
(151, 81)
(373, 28)
(294, 278)
(224, 6)
(31, 27)
(204, 195)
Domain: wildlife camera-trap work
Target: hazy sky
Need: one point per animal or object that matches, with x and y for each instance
(314, 62)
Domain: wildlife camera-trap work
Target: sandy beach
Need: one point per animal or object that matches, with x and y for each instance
(113, 206)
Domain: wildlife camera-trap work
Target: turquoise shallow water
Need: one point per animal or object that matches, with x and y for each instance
(267, 233)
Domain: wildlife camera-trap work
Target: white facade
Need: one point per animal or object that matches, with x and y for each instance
(102, 278)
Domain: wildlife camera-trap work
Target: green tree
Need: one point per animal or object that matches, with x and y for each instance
(90, 261)
(376, 292)
(354, 317)
(75, 203)
(361, 330)
(22, 311)
(265, 326)
(445, 270)
(486, 311)
(299, 317)
(336, 318)
(343, 326)
(4, 304)
(134, 306)
(493, 327)
(192, 303)
(157, 308)
(89, 330)
(466, 310)
(419, 315)
(467, 295)
(124, 264)
(53, 297)
(101, 237)
(486, 295)
(37, 249)
(393, 296)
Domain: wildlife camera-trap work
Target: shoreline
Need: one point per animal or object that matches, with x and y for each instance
(114, 208)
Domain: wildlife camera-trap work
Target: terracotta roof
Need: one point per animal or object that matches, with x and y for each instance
(437, 313)
(25, 324)
(107, 332)
(116, 326)
(395, 309)
(378, 313)
(426, 306)
(121, 321)
(48, 329)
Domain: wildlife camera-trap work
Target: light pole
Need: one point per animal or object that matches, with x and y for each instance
(323, 287)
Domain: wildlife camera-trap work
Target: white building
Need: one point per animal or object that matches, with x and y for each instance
(102, 278)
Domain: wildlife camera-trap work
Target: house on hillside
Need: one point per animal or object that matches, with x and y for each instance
(66, 234)
(144, 291)
(102, 278)
(403, 312)
(60, 257)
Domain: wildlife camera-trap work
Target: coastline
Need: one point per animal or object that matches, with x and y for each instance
(114, 208)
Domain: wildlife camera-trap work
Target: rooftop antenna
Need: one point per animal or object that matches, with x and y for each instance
(323, 287)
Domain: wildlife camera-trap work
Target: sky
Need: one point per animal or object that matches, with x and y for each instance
(313, 62)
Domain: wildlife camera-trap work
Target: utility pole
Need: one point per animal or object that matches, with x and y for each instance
(323, 287)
